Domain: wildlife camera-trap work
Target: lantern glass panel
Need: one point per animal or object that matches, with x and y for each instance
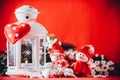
(11, 54)
(26, 51)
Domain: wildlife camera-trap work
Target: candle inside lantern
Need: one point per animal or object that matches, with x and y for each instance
(26, 61)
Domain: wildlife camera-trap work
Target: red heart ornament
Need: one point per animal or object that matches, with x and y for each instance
(14, 32)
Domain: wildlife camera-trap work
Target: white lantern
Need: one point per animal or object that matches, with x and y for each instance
(26, 53)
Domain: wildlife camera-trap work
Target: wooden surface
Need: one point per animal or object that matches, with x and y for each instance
(81, 78)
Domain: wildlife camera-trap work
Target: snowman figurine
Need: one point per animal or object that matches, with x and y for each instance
(83, 61)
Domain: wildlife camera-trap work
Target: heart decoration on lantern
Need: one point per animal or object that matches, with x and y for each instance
(14, 32)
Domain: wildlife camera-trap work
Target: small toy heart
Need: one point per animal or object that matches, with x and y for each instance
(14, 32)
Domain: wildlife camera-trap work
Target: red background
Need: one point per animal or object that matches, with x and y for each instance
(78, 22)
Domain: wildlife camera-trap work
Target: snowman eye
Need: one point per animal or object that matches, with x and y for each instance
(30, 7)
(27, 17)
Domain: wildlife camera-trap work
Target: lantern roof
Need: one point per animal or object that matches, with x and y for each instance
(26, 9)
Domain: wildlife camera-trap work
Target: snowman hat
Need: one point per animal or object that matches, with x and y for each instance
(88, 50)
(56, 49)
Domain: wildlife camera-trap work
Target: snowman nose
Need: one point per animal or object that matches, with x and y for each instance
(81, 57)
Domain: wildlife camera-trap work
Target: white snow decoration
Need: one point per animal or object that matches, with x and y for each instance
(103, 66)
(68, 72)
